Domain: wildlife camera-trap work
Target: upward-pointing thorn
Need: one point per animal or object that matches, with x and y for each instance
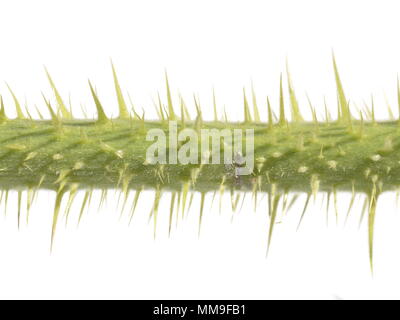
(61, 106)
(3, 116)
(135, 114)
(398, 95)
(123, 110)
(255, 106)
(373, 110)
(52, 113)
(171, 112)
(101, 116)
(345, 114)
(18, 109)
(246, 110)
(215, 106)
(282, 119)
(182, 114)
(296, 115)
(313, 113)
(270, 117)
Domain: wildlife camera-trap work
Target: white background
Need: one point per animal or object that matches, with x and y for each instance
(202, 44)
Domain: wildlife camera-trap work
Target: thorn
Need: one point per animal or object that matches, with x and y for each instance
(345, 114)
(3, 117)
(314, 185)
(84, 202)
(389, 109)
(353, 195)
(282, 119)
(135, 114)
(171, 112)
(52, 113)
(72, 193)
(18, 109)
(101, 116)
(160, 115)
(215, 106)
(6, 202)
(178, 207)
(361, 125)
(123, 111)
(19, 207)
(154, 212)
(255, 107)
(135, 202)
(70, 105)
(57, 206)
(373, 110)
(27, 110)
(364, 208)
(246, 111)
(203, 195)
(61, 106)
(327, 114)
(39, 113)
(335, 204)
(159, 109)
(304, 210)
(296, 115)
(350, 123)
(371, 225)
(273, 213)
(185, 191)
(199, 117)
(398, 95)
(83, 109)
(182, 113)
(171, 212)
(187, 114)
(314, 114)
(270, 117)
(225, 115)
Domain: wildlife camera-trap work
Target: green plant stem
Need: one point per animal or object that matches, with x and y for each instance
(298, 156)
